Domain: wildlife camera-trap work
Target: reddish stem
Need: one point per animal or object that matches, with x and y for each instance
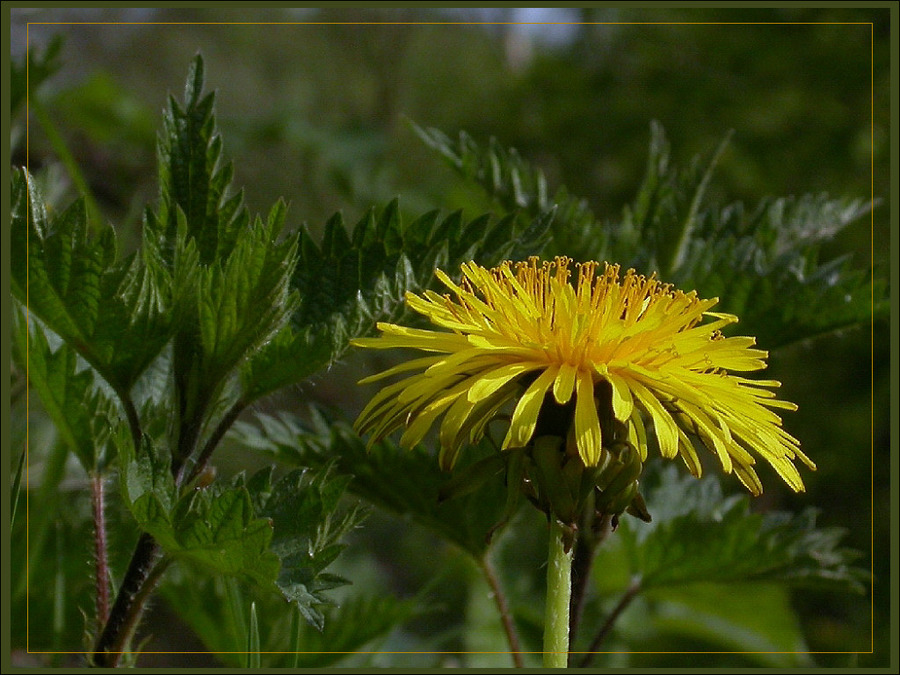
(509, 626)
(101, 559)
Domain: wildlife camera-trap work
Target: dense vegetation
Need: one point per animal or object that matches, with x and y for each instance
(167, 321)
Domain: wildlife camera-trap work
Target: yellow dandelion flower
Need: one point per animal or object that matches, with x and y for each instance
(624, 347)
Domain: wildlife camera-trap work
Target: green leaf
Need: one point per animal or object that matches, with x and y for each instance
(147, 485)
(205, 604)
(303, 508)
(113, 315)
(756, 620)
(246, 300)
(708, 575)
(697, 535)
(516, 185)
(230, 277)
(357, 623)
(214, 526)
(82, 413)
(357, 277)
(763, 263)
(194, 180)
(408, 483)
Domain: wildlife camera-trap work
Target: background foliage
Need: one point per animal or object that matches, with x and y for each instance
(318, 115)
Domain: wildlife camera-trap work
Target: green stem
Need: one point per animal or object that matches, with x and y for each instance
(559, 593)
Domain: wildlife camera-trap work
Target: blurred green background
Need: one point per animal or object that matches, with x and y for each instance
(317, 114)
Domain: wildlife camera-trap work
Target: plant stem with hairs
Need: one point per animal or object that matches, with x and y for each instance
(559, 595)
(101, 558)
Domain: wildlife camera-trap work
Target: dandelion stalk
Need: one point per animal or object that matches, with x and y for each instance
(559, 594)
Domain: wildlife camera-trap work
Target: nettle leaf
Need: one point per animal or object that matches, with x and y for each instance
(710, 574)
(303, 508)
(356, 277)
(82, 413)
(697, 535)
(657, 229)
(69, 280)
(244, 301)
(214, 527)
(194, 180)
(763, 263)
(516, 185)
(230, 276)
(408, 483)
(147, 486)
(755, 620)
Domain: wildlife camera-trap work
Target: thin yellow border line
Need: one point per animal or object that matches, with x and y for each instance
(463, 23)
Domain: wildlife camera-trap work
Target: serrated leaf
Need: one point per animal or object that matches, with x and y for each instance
(303, 509)
(194, 179)
(360, 275)
(408, 483)
(112, 315)
(82, 413)
(516, 185)
(245, 301)
(146, 473)
(699, 536)
(763, 264)
(214, 527)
